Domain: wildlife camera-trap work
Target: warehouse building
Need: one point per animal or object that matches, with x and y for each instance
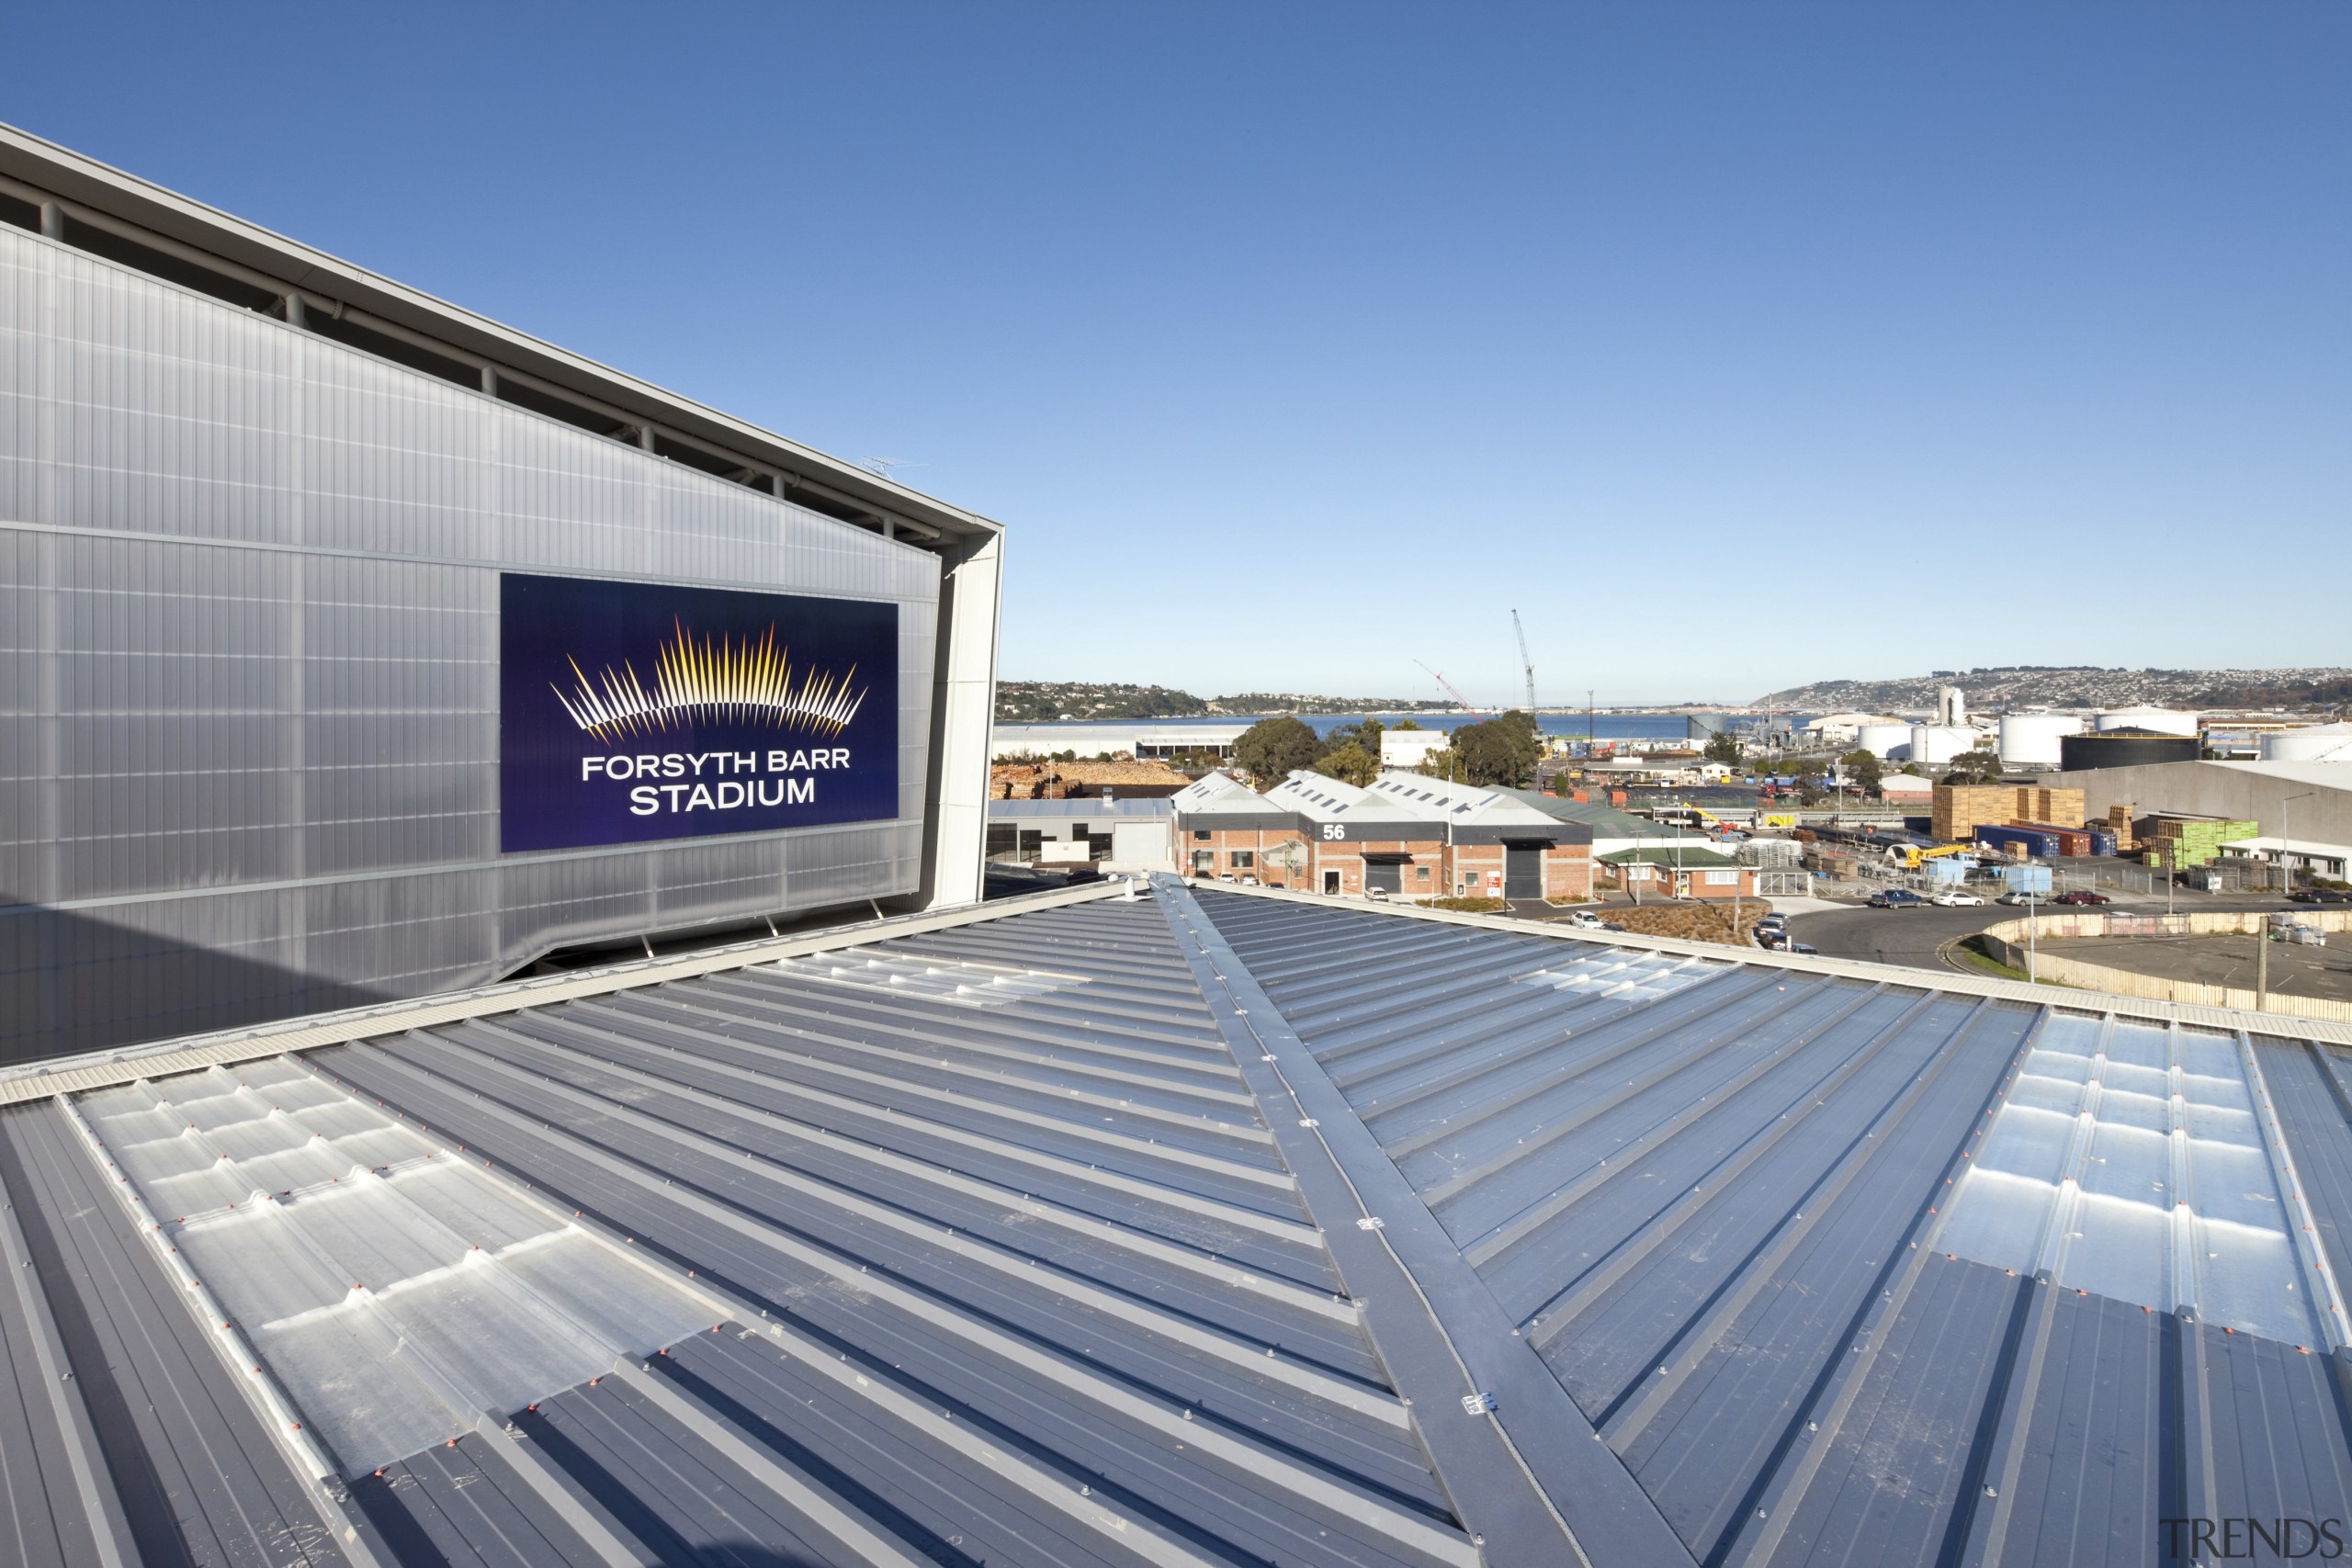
(2287, 800)
(363, 648)
(1360, 842)
(1613, 829)
(1227, 831)
(1407, 835)
(1140, 739)
(1498, 846)
(1109, 835)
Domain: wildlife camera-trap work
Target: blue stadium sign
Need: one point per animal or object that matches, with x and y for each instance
(634, 711)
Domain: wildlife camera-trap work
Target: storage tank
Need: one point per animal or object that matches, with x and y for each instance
(1936, 743)
(2124, 748)
(2030, 739)
(2155, 721)
(2319, 743)
(1878, 739)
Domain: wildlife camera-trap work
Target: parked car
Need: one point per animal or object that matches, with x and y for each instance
(1803, 950)
(1586, 921)
(2081, 895)
(2319, 896)
(2025, 899)
(1952, 899)
(1895, 899)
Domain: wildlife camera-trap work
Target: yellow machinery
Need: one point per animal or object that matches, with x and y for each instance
(1911, 856)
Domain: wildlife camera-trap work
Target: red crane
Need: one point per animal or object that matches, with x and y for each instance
(1447, 687)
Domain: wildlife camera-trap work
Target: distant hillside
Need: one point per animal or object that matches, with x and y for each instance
(2042, 685)
(1040, 701)
(1037, 701)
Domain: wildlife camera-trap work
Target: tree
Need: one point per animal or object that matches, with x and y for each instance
(1501, 752)
(1405, 724)
(1365, 735)
(1722, 747)
(1863, 770)
(1350, 763)
(1975, 767)
(1272, 749)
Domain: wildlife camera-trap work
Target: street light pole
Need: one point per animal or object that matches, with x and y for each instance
(2286, 843)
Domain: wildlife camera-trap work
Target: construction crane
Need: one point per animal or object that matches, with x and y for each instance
(1447, 687)
(1526, 662)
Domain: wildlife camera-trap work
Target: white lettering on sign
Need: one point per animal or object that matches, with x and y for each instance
(1334, 831)
(736, 776)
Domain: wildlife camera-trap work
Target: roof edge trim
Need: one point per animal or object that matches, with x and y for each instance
(2284, 1026)
(74, 1075)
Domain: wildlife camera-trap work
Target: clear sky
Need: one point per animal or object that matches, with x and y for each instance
(1734, 345)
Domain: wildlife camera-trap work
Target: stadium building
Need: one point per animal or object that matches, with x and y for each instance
(359, 647)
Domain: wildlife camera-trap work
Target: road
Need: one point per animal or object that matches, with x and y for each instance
(1912, 936)
(1893, 936)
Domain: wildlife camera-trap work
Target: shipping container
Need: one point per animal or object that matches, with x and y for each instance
(2041, 843)
(2071, 840)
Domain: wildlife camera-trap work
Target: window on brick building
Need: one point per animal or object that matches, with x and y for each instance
(1244, 860)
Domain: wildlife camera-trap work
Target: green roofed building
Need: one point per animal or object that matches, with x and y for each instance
(1676, 872)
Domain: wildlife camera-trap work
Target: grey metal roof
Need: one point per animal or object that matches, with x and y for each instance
(1712, 1204)
(1199, 1227)
(1064, 810)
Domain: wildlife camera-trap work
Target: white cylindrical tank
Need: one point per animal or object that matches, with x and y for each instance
(2164, 721)
(1876, 739)
(2030, 739)
(1934, 743)
(2320, 743)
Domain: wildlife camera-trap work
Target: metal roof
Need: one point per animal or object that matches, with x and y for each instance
(1057, 810)
(1188, 1228)
(1687, 857)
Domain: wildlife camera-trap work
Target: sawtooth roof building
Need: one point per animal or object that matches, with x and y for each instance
(1198, 1227)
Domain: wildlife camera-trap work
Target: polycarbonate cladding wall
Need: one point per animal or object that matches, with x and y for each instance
(248, 668)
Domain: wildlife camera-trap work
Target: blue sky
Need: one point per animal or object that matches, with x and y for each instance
(1734, 345)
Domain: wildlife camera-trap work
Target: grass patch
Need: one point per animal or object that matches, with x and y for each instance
(1970, 950)
(1470, 906)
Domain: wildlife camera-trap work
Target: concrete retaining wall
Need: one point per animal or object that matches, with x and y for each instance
(2007, 943)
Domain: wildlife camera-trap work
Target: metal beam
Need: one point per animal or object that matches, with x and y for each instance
(1505, 1440)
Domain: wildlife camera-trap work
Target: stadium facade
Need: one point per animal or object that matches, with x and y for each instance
(359, 647)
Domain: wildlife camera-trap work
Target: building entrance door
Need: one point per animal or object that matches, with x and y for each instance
(1330, 881)
(1384, 877)
(1523, 872)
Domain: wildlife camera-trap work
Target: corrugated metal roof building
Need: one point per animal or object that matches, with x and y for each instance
(1199, 1227)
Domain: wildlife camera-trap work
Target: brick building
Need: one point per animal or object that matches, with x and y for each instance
(1225, 830)
(1499, 845)
(1415, 838)
(1678, 874)
(1358, 842)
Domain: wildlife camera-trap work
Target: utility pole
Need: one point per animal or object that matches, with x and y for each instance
(2262, 964)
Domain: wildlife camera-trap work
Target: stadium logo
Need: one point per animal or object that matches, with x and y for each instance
(750, 681)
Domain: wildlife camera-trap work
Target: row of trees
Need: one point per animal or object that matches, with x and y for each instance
(1273, 749)
(1864, 770)
(1496, 752)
